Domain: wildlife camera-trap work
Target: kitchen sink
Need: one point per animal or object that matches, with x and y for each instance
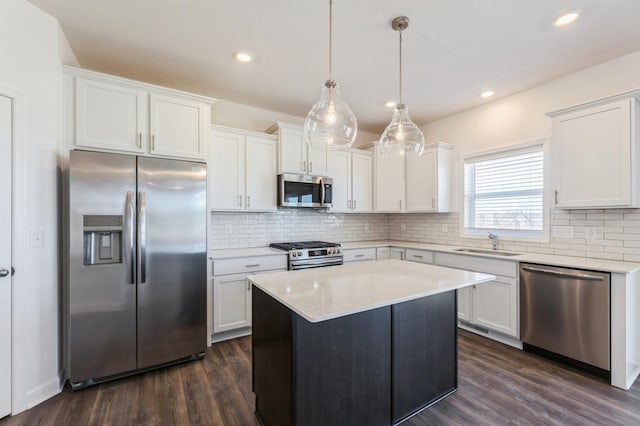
(492, 252)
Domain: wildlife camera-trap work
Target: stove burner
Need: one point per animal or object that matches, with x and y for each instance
(303, 245)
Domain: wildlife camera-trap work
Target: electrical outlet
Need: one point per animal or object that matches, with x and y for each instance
(228, 229)
(37, 238)
(563, 232)
(445, 228)
(590, 233)
(403, 226)
(366, 227)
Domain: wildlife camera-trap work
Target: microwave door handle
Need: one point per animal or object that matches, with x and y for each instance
(322, 192)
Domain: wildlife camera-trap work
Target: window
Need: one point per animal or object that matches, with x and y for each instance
(503, 191)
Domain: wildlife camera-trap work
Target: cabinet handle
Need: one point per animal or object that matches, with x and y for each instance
(153, 142)
(248, 201)
(310, 166)
(348, 204)
(359, 255)
(419, 256)
(140, 140)
(556, 197)
(248, 285)
(355, 204)
(253, 265)
(401, 255)
(433, 203)
(400, 204)
(240, 200)
(304, 166)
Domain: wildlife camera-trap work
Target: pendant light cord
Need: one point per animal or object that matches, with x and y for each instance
(400, 66)
(330, 38)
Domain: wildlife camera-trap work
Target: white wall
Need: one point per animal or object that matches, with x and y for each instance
(246, 117)
(521, 117)
(30, 73)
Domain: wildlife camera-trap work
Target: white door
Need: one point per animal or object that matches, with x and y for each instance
(292, 155)
(231, 302)
(421, 182)
(261, 177)
(226, 170)
(495, 305)
(389, 183)
(5, 256)
(362, 182)
(339, 169)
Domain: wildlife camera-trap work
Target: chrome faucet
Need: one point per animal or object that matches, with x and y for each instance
(494, 240)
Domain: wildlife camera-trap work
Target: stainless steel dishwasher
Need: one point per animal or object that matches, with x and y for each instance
(566, 312)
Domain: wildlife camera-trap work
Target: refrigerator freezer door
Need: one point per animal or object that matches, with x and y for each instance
(102, 298)
(172, 313)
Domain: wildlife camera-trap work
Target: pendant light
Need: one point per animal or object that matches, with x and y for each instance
(330, 122)
(401, 135)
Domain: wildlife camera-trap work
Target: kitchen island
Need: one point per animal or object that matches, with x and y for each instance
(369, 343)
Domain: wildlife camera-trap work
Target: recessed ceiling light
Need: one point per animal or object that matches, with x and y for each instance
(390, 104)
(565, 19)
(243, 57)
(487, 94)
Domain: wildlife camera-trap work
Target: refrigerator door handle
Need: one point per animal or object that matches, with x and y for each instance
(142, 236)
(129, 227)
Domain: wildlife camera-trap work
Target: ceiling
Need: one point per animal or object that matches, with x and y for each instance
(453, 50)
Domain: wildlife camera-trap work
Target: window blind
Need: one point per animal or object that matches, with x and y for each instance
(504, 191)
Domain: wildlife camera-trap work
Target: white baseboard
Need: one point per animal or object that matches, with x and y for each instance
(227, 335)
(507, 340)
(42, 393)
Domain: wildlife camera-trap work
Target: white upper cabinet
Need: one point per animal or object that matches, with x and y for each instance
(352, 174)
(109, 113)
(389, 181)
(594, 153)
(429, 179)
(241, 170)
(178, 126)
(294, 154)
(110, 116)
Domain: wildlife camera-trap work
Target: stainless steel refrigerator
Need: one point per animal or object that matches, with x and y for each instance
(137, 264)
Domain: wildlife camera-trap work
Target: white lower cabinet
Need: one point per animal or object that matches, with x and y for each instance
(422, 256)
(396, 253)
(359, 255)
(493, 305)
(232, 290)
(383, 253)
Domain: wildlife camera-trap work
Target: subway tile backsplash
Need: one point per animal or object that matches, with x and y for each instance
(616, 232)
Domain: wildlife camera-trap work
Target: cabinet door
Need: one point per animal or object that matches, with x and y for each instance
(178, 127)
(339, 169)
(592, 157)
(495, 305)
(317, 159)
(464, 303)
(397, 253)
(422, 182)
(110, 116)
(362, 182)
(389, 183)
(292, 150)
(225, 160)
(261, 178)
(383, 253)
(421, 256)
(231, 302)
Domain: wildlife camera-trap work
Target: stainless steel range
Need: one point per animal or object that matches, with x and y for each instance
(311, 254)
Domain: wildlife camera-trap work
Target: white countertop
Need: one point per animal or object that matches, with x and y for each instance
(320, 294)
(603, 265)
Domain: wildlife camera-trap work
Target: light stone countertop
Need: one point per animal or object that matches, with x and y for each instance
(603, 265)
(320, 294)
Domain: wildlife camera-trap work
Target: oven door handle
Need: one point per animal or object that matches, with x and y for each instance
(331, 261)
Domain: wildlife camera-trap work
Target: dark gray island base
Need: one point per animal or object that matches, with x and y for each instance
(377, 367)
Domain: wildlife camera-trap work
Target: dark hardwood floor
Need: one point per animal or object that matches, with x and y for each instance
(498, 385)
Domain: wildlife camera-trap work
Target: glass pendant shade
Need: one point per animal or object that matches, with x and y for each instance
(330, 121)
(401, 136)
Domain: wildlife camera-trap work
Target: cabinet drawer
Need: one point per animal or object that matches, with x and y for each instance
(243, 265)
(357, 255)
(421, 256)
(478, 264)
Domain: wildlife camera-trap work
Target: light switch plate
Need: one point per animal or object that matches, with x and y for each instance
(445, 228)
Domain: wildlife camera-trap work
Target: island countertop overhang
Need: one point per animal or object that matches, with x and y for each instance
(322, 294)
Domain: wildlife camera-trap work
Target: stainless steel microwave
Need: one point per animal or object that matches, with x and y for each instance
(304, 190)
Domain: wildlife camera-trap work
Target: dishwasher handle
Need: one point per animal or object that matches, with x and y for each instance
(564, 274)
